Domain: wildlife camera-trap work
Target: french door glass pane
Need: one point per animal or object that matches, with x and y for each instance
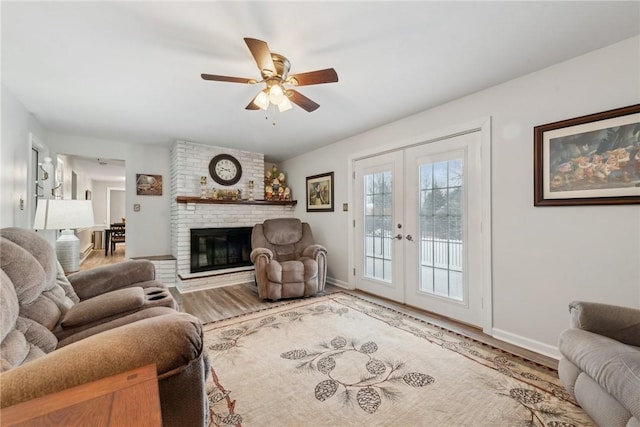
(441, 229)
(378, 225)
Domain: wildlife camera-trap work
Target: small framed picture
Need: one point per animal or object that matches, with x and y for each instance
(320, 193)
(148, 185)
(87, 195)
(589, 160)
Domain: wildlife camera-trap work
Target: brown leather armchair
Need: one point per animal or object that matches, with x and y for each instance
(287, 261)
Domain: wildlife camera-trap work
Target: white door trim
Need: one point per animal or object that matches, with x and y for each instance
(483, 125)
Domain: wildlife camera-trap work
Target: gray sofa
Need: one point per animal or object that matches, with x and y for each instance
(57, 332)
(600, 363)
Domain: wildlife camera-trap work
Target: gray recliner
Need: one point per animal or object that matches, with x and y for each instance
(600, 365)
(287, 261)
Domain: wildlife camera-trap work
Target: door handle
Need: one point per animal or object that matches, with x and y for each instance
(409, 238)
(398, 237)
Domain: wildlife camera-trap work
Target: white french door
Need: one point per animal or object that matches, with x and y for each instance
(444, 257)
(379, 212)
(418, 226)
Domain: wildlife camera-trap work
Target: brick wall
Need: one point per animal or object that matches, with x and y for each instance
(190, 161)
(165, 271)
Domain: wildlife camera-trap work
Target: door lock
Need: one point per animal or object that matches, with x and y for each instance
(409, 237)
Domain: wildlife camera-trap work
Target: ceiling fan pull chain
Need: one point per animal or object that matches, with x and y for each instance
(267, 115)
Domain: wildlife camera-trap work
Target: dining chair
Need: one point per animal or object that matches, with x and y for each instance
(117, 235)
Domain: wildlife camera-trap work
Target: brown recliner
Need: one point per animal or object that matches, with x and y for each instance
(287, 261)
(58, 332)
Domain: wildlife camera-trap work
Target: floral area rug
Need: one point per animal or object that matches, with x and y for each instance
(340, 360)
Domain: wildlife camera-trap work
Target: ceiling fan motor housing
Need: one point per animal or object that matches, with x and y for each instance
(282, 67)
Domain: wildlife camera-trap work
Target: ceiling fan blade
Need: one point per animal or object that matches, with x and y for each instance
(227, 78)
(262, 55)
(328, 75)
(301, 100)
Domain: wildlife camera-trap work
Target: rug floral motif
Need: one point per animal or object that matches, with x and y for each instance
(340, 360)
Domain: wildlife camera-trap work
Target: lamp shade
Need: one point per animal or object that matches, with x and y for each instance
(276, 94)
(63, 214)
(285, 105)
(262, 100)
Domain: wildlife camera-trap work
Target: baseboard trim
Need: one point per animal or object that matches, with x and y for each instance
(338, 283)
(529, 344)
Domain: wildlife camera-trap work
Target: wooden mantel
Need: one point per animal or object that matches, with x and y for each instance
(191, 199)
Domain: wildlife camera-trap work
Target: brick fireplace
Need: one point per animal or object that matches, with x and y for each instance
(190, 161)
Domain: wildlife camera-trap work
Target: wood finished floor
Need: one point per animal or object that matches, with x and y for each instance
(215, 304)
(97, 258)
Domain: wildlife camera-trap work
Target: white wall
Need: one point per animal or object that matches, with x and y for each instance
(99, 198)
(544, 257)
(117, 206)
(148, 231)
(83, 176)
(15, 153)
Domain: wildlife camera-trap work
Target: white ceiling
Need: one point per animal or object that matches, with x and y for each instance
(130, 71)
(100, 169)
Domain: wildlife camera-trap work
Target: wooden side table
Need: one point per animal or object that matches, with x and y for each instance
(126, 399)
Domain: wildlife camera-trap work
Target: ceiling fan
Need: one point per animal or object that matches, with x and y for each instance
(274, 69)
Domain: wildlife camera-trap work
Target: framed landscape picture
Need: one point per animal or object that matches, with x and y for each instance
(589, 160)
(148, 185)
(320, 193)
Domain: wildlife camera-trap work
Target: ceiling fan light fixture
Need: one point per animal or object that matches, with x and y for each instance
(274, 69)
(284, 105)
(262, 100)
(276, 94)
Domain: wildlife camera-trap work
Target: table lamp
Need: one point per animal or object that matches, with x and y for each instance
(64, 215)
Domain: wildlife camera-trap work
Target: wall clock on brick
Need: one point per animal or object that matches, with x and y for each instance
(225, 169)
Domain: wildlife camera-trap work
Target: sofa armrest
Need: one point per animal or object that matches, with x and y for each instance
(171, 341)
(614, 366)
(261, 258)
(99, 280)
(257, 252)
(319, 253)
(312, 251)
(619, 323)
